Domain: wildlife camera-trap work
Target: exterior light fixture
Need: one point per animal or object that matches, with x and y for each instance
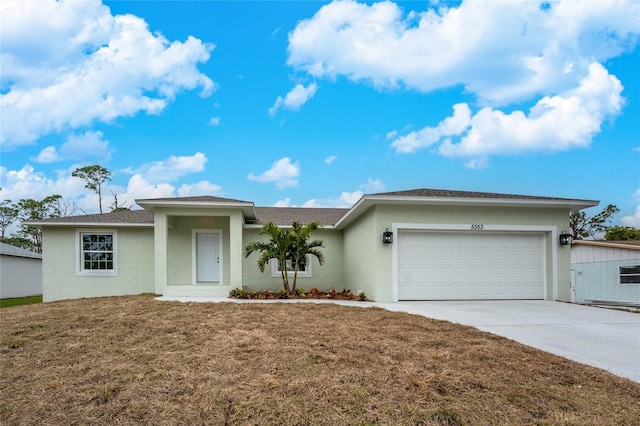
(565, 238)
(387, 237)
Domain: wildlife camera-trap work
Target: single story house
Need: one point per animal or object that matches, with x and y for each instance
(20, 272)
(605, 272)
(421, 244)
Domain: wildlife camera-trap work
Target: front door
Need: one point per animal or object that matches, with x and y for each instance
(207, 256)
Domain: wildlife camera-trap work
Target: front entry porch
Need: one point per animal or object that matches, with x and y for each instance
(198, 252)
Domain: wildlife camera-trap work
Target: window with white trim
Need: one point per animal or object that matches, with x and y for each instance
(97, 253)
(629, 274)
(304, 268)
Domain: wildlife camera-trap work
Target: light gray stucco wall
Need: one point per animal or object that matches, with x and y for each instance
(20, 276)
(180, 246)
(326, 276)
(135, 265)
(372, 269)
(363, 255)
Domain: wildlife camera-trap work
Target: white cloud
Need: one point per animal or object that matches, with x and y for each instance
(201, 188)
(139, 188)
(556, 123)
(151, 182)
(499, 51)
(634, 219)
(282, 172)
(372, 186)
(345, 200)
(348, 199)
(77, 147)
(454, 125)
(214, 121)
(477, 163)
(330, 159)
(172, 168)
(29, 183)
(283, 203)
(67, 65)
(296, 97)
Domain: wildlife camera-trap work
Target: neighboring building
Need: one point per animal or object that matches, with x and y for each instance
(445, 245)
(20, 272)
(606, 272)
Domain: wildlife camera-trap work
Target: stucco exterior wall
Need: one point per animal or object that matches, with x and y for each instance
(326, 276)
(180, 247)
(375, 265)
(20, 276)
(365, 257)
(596, 272)
(135, 266)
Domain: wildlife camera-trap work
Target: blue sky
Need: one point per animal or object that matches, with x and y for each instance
(304, 103)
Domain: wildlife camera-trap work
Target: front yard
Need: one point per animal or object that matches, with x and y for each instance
(134, 360)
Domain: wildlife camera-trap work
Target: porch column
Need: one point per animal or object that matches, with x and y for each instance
(160, 231)
(235, 249)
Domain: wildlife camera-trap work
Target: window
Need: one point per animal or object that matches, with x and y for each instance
(96, 253)
(630, 274)
(304, 268)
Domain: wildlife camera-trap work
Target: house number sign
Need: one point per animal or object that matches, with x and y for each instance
(477, 227)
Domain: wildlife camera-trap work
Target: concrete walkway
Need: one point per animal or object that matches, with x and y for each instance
(603, 338)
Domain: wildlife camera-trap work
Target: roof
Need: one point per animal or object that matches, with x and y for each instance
(629, 244)
(200, 202)
(445, 193)
(284, 216)
(124, 217)
(338, 217)
(427, 196)
(9, 250)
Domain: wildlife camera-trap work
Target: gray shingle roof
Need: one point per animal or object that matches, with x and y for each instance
(284, 216)
(445, 193)
(124, 216)
(9, 250)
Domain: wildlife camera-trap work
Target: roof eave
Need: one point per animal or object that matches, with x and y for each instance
(259, 226)
(606, 244)
(248, 208)
(40, 224)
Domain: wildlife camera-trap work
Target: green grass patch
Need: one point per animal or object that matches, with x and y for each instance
(7, 303)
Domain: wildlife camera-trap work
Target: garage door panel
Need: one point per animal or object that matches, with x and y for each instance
(463, 265)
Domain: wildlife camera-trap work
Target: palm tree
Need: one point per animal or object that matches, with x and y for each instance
(303, 247)
(278, 247)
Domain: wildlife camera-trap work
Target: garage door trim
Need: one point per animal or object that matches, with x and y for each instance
(476, 227)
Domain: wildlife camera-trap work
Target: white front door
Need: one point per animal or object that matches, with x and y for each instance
(207, 256)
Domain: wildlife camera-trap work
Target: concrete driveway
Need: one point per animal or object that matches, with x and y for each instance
(602, 338)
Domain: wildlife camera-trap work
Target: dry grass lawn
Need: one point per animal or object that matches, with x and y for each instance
(134, 360)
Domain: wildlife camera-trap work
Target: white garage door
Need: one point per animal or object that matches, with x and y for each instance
(470, 265)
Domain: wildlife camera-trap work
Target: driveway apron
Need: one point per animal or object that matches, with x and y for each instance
(604, 338)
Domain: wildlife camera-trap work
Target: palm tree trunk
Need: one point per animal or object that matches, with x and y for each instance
(295, 278)
(285, 276)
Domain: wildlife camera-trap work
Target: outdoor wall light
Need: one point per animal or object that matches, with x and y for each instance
(565, 238)
(387, 237)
